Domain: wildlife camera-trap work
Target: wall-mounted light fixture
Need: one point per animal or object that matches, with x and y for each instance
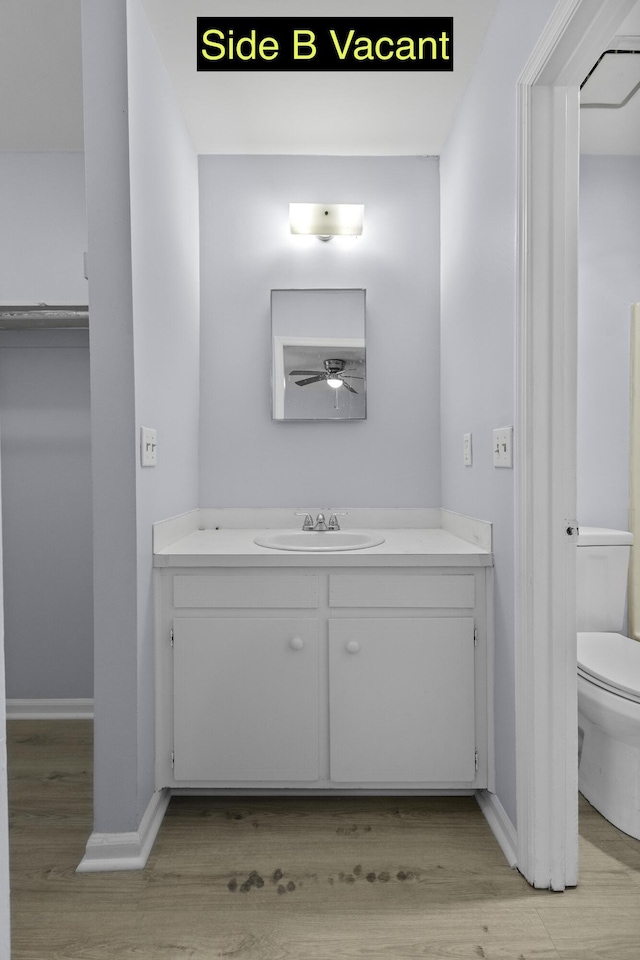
(614, 79)
(326, 220)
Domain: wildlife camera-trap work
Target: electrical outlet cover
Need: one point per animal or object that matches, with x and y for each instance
(503, 447)
(467, 450)
(148, 447)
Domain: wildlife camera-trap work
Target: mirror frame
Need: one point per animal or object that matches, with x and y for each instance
(280, 342)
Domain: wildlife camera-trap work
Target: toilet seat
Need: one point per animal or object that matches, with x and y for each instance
(610, 661)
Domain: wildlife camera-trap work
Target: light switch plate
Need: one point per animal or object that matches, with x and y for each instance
(503, 447)
(148, 446)
(467, 450)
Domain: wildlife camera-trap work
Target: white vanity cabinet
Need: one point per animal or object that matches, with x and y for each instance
(401, 700)
(323, 677)
(245, 699)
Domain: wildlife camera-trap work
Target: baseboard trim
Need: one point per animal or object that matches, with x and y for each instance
(501, 826)
(50, 709)
(126, 851)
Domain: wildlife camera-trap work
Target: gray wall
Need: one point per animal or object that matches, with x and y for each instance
(479, 201)
(45, 433)
(44, 234)
(609, 282)
(393, 457)
(165, 256)
(112, 417)
(143, 242)
(46, 476)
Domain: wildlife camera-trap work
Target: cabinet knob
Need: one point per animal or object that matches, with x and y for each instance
(353, 646)
(297, 643)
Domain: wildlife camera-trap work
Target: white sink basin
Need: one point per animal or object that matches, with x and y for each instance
(313, 541)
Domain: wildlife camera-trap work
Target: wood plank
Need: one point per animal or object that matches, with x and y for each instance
(329, 878)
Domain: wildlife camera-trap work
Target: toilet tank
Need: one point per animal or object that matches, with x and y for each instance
(602, 563)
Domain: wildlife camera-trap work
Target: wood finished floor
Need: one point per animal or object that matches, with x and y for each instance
(296, 879)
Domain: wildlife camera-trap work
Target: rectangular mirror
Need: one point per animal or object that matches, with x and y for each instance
(318, 366)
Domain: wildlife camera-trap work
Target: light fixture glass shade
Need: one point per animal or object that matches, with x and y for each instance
(334, 382)
(327, 219)
(613, 80)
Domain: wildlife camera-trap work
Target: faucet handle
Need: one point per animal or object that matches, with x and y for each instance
(333, 520)
(307, 523)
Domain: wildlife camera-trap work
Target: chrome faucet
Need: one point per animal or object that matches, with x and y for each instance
(321, 525)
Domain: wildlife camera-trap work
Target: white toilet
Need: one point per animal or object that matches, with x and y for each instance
(608, 680)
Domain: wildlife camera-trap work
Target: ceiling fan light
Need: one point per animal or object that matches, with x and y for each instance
(334, 382)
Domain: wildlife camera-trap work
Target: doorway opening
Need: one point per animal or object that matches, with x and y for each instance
(546, 685)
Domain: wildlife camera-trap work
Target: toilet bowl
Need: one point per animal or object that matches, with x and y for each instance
(609, 725)
(608, 680)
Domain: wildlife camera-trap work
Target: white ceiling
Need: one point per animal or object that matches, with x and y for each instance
(317, 113)
(328, 113)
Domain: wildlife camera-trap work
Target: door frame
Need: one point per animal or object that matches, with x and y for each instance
(546, 375)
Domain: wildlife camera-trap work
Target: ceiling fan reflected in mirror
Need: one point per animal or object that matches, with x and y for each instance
(334, 375)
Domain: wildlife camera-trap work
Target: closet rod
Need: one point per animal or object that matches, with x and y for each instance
(24, 316)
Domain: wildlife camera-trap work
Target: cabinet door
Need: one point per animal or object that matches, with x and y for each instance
(245, 699)
(402, 700)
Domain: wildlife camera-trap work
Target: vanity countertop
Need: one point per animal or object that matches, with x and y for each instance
(432, 546)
